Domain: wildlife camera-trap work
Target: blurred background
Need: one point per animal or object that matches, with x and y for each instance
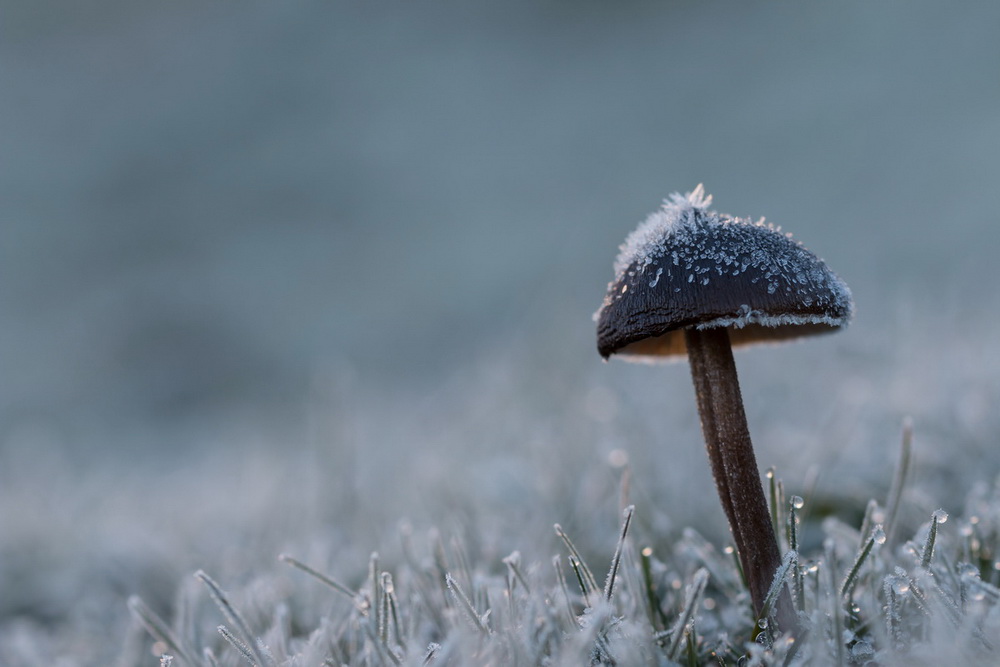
(280, 275)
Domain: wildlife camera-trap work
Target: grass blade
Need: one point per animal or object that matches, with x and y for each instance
(692, 598)
(657, 618)
(160, 630)
(332, 583)
(561, 575)
(899, 480)
(466, 605)
(877, 537)
(235, 618)
(588, 576)
(939, 516)
(780, 575)
(239, 645)
(609, 584)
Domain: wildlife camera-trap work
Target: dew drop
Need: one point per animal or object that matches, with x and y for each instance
(878, 535)
(797, 502)
(940, 516)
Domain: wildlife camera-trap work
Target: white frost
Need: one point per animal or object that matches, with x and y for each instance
(646, 242)
(656, 279)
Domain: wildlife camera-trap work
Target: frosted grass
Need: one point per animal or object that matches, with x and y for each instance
(931, 599)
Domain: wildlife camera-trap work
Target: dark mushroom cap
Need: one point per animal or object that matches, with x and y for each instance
(686, 266)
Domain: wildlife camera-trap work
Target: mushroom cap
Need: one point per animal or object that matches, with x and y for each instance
(686, 266)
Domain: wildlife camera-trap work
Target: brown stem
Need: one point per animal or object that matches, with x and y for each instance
(734, 465)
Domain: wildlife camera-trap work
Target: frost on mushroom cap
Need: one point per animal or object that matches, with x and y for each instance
(686, 266)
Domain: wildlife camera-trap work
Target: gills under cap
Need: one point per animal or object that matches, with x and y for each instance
(686, 266)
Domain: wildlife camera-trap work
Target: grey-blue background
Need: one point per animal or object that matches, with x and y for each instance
(252, 252)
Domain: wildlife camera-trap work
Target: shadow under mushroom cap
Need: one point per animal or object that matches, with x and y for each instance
(686, 266)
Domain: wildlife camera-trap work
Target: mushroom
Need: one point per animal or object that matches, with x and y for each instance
(692, 280)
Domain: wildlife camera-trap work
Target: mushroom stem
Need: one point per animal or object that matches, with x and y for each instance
(734, 465)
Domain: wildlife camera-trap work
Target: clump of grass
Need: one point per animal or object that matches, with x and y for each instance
(862, 598)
